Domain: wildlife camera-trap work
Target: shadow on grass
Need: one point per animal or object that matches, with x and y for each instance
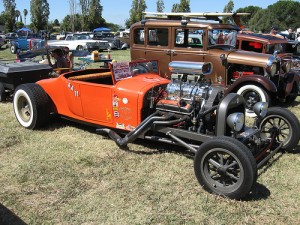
(259, 192)
(296, 150)
(7, 217)
(288, 105)
(157, 147)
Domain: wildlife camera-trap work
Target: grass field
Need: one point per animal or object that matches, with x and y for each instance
(68, 174)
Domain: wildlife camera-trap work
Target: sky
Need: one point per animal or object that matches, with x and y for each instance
(117, 11)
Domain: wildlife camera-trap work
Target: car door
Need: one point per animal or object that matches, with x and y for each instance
(96, 100)
(152, 43)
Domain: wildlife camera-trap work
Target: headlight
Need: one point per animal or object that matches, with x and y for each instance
(261, 109)
(272, 69)
(287, 66)
(236, 121)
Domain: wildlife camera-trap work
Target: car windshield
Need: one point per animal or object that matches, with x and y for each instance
(292, 48)
(222, 37)
(271, 48)
(81, 37)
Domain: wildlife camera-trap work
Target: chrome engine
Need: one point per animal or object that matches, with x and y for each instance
(189, 93)
(188, 89)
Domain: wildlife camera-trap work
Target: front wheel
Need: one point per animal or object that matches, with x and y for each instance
(253, 94)
(283, 124)
(31, 106)
(226, 167)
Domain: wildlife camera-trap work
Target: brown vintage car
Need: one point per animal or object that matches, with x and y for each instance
(287, 50)
(185, 37)
(266, 43)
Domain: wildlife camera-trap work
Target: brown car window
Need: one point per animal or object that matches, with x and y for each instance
(252, 46)
(188, 38)
(158, 37)
(138, 36)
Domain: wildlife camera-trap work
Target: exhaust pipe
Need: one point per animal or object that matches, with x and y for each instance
(132, 135)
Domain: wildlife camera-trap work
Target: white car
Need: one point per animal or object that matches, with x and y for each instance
(80, 42)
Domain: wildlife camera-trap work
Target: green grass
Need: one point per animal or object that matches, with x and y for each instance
(68, 174)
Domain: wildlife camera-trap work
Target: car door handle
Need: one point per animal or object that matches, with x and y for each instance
(170, 52)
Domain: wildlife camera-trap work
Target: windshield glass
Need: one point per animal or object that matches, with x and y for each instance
(222, 37)
(271, 48)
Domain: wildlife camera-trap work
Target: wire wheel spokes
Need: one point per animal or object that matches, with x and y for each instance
(277, 126)
(222, 169)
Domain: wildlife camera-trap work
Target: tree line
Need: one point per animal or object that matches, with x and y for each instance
(87, 14)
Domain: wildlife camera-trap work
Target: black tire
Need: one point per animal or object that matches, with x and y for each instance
(31, 106)
(285, 125)
(253, 94)
(80, 48)
(13, 49)
(235, 181)
(2, 93)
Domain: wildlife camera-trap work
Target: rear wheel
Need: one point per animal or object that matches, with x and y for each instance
(226, 167)
(80, 48)
(253, 94)
(13, 49)
(31, 106)
(283, 124)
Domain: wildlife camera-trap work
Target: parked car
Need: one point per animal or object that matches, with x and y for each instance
(265, 43)
(2, 41)
(10, 36)
(113, 42)
(131, 100)
(14, 74)
(124, 37)
(80, 42)
(247, 73)
(25, 42)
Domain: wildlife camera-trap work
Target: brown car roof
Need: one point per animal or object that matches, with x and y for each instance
(176, 23)
(269, 39)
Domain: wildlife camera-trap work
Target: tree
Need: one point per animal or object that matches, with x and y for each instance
(249, 9)
(10, 18)
(175, 7)
(66, 23)
(72, 13)
(183, 6)
(160, 6)
(95, 15)
(39, 10)
(136, 12)
(19, 25)
(85, 6)
(228, 9)
(25, 12)
(284, 14)
(17, 14)
(55, 23)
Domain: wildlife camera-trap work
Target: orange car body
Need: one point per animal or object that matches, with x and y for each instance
(117, 103)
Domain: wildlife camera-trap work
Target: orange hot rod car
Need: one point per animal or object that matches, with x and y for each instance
(131, 100)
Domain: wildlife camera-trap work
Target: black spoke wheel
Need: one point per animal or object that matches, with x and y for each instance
(226, 167)
(283, 124)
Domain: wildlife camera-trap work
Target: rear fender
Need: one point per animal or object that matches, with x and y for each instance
(258, 80)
